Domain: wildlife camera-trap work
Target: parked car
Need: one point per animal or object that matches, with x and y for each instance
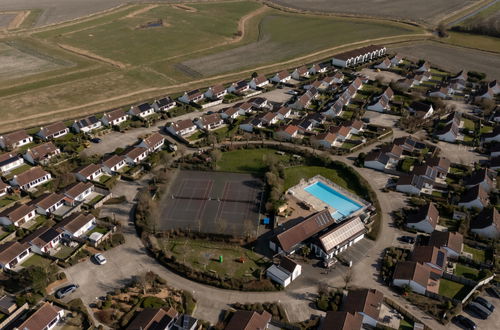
(485, 303)
(407, 239)
(464, 322)
(493, 291)
(100, 259)
(96, 140)
(63, 292)
(478, 310)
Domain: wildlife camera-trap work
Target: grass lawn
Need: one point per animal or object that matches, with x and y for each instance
(451, 289)
(477, 255)
(104, 178)
(469, 124)
(97, 229)
(468, 138)
(96, 199)
(486, 129)
(196, 135)
(476, 41)
(348, 145)
(467, 272)
(451, 224)
(17, 171)
(347, 114)
(36, 260)
(37, 222)
(248, 160)
(407, 164)
(64, 252)
(294, 174)
(204, 255)
(6, 200)
(405, 324)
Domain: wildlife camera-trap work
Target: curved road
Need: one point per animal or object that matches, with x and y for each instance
(131, 259)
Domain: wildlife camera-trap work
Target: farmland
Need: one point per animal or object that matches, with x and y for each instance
(141, 51)
(485, 22)
(420, 11)
(452, 58)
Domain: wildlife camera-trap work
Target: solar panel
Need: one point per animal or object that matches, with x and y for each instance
(342, 233)
(440, 259)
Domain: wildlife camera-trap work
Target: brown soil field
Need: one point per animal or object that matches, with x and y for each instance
(428, 11)
(452, 58)
(6, 19)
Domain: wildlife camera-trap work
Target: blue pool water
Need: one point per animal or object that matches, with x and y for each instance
(341, 203)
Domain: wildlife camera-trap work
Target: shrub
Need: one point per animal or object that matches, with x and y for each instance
(153, 302)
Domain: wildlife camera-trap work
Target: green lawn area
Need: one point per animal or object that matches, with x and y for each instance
(37, 222)
(477, 255)
(348, 145)
(486, 129)
(451, 289)
(468, 138)
(97, 229)
(294, 174)
(96, 199)
(347, 114)
(407, 164)
(405, 324)
(456, 170)
(64, 252)
(36, 260)
(17, 171)
(467, 272)
(196, 135)
(451, 224)
(204, 255)
(473, 41)
(469, 124)
(247, 160)
(8, 199)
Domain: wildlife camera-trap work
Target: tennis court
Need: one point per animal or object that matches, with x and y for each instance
(213, 202)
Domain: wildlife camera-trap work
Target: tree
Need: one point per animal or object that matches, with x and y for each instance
(215, 155)
(348, 278)
(254, 75)
(441, 30)
(306, 250)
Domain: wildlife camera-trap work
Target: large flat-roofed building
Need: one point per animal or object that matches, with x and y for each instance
(358, 56)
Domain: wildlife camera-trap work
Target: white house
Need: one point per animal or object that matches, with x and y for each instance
(53, 131)
(425, 219)
(45, 318)
(385, 64)
(77, 224)
(143, 110)
(15, 140)
(285, 272)
(153, 143)
(301, 72)
(380, 105)
(209, 122)
(281, 77)
(231, 113)
(358, 56)
(367, 302)
(249, 124)
(9, 162)
(413, 274)
(258, 82)
(270, 118)
(287, 133)
(318, 68)
(41, 154)
(421, 110)
(239, 87)
(44, 240)
(4, 188)
(449, 133)
(13, 253)
(397, 59)
(78, 192)
(414, 184)
(481, 177)
(182, 127)
(487, 223)
(215, 92)
(339, 239)
(112, 164)
(451, 242)
(194, 96)
(30, 179)
(442, 93)
(475, 197)
(114, 118)
(17, 215)
(425, 67)
(90, 172)
(325, 140)
(134, 155)
(48, 203)
(86, 125)
(164, 104)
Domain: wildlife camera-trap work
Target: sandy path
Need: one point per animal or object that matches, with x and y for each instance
(140, 11)
(187, 85)
(93, 56)
(18, 20)
(185, 7)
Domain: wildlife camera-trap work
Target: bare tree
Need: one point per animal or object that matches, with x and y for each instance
(348, 278)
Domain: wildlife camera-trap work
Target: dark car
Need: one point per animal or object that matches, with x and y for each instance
(464, 322)
(493, 291)
(407, 239)
(96, 140)
(485, 303)
(63, 292)
(478, 310)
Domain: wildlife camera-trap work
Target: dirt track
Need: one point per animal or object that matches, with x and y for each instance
(141, 11)
(93, 56)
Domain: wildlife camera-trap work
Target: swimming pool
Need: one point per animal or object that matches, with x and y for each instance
(341, 203)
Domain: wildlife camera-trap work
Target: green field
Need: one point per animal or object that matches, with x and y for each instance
(452, 289)
(248, 160)
(204, 256)
(475, 41)
(118, 58)
(467, 272)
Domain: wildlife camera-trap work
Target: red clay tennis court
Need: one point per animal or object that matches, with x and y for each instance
(213, 202)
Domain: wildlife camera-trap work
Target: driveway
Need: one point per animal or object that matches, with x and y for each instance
(493, 320)
(460, 154)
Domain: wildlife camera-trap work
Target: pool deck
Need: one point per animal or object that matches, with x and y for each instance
(299, 193)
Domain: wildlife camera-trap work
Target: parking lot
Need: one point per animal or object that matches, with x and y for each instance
(460, 154)
(492, 323)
